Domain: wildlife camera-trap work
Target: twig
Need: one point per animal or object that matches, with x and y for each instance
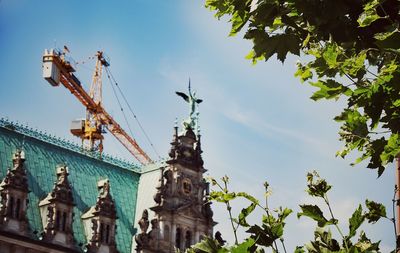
(283, 245)
(394, 200)
(336, 225)
(229, 208)
(267, 211)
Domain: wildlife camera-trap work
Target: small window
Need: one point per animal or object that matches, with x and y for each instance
(166, 233)
(11, 208)
(17, 209)
(102, 232)
(178, 238)
(187, 186)
(57, 223)
(188, 239)
(64, 221)
(107, 234)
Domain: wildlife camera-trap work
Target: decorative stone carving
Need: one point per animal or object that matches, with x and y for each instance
(182, 206)
(183, 213)
(186, 150)
(143, 239)
(14, 197)
(99, 221)
(144, 221)
(147, 242)
(57, 211)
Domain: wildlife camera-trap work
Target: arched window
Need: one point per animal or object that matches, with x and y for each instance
(178, 238)
(166, 233)
(188, 239)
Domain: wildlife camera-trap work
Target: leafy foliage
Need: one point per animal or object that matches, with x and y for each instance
(270, 231)
(354, 49)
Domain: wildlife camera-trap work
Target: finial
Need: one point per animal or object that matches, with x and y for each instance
(193, 101)
(18, 159)
(176, 122)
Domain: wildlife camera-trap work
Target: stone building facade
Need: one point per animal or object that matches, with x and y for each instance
(56, 197)
(182, 214)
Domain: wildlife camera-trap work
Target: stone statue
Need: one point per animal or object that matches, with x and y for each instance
(154, 229)
(143, 238)
(144, 222)
(192, 100)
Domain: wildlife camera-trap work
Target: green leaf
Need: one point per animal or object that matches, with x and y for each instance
(239, 19)
(277, 230)
(303, 72)
(355, 221)
(370, 14)
(243, 247)
(248, 197)
(208, 245)
(229, 196)
(317, 186)
(299, 249)
(354, 64)
(389, 31)
(390, 42)
(263, 237)
(364, 244)
(366, 18)
(391, 150)
(329, 89)
(244, 213)
(315, 213)
(376, 211)
(330, 55)
(280, 44)
(283, 214)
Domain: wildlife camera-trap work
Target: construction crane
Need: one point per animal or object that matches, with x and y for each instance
(57, 69)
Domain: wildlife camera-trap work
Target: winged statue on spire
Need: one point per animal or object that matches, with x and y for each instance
(193, 101)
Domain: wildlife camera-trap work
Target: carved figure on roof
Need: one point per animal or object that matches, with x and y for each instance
(192, 100)
(143, 239)
(18, 159)
(154, 229)
(168, 178)
(144, 222)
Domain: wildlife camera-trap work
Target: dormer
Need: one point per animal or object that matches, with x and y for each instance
(99, 222)
(57, 211)
(14, 197)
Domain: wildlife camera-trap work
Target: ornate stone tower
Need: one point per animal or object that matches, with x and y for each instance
(182, 214)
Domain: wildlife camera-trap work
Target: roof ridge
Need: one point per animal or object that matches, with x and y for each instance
(67, 144)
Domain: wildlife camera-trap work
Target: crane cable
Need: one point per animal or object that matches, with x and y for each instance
(113, 81)
(120, 106)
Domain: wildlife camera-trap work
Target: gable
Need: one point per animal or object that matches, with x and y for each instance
(44, 153)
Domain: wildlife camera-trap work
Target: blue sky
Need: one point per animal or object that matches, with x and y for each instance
(257, 122)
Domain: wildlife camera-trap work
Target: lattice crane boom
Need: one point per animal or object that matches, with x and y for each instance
(56, 70)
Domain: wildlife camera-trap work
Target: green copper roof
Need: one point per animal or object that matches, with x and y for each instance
(44, 153)
(27, 131)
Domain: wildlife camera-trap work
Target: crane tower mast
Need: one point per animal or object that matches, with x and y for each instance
(56, 70)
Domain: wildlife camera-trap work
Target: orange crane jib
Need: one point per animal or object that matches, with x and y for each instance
(56, 70)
